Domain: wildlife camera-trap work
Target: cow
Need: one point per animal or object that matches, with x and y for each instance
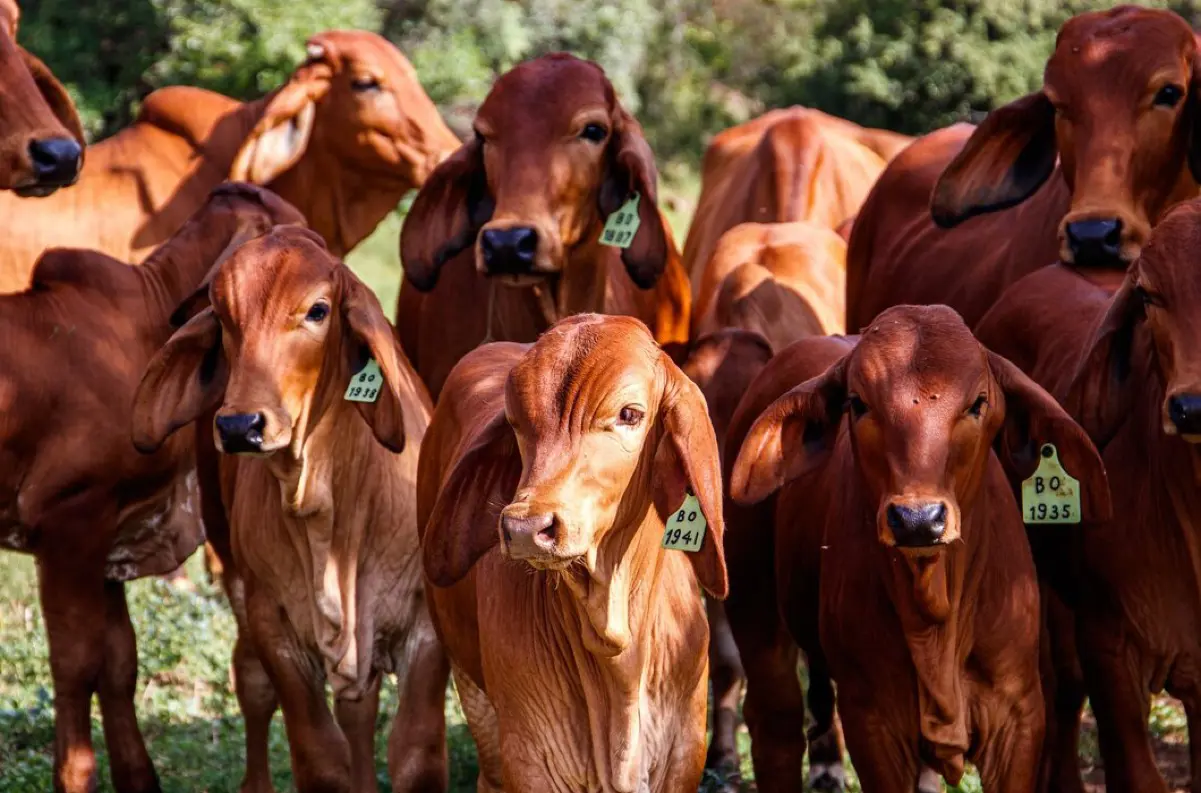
(1121, 360)
(319, 420)
(505, 237)
(1078, 171)
(786, 165)
(74, 492)
(343, 140)
(43, 141)
(550, 478)
(902, 565)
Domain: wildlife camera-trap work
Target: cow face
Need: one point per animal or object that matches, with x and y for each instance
(1118, 107)
(357, 101)
(42, 147)
(554, 156)
(602, 420)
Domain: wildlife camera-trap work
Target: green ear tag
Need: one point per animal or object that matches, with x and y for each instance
(366, 385)
(622, 225)
(686, 527)
(1051, 495)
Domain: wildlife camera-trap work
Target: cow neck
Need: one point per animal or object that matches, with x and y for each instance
(583, 286)
(178, 267)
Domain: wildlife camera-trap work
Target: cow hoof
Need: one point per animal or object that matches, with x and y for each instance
(723, 779)
(827, 779)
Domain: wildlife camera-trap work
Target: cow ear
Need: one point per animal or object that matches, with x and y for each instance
(1033, 418)
(465, 521)
(369, 336)
(1194, 120)
(184, 380)
(631, 170)
(1006, 159)
(685, 418)
(282, 135)
(791, 437)
(1101, 392)
(446, 216)
(57, 98)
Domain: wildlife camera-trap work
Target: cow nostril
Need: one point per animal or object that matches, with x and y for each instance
(895, 520)
(526, 243)
(935, 514)
(55, 160)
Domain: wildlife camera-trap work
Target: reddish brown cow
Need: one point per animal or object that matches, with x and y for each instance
(547, 479)
(899, 546)
(505, 237)
(786, 165)
(1124, 364)
(43, 142)
(1079, 171)
(74, 492)
(343, 140)
(322, 512)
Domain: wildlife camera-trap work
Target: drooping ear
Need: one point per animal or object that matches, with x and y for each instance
(1034, 418)
(281, 136)
(1006, 159)
(1102, 390)
(631, 169)
(685, 418)
(57, 98)
(446, 215)
(464, 523)
(184, 380)
(369, 335)
(791, 437)
(1194, 118)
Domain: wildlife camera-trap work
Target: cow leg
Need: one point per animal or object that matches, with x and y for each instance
(884, 760)
(826, 771)
(132, 771)
(257, 700)
(725, 671)
(1064, 695)
(357, 720)
(775, 712)
(481, 720)
(417, 759)
(1008, 761)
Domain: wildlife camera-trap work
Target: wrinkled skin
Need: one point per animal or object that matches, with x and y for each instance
(578, 642)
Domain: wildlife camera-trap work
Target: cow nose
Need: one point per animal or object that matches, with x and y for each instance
(1185, 412)
(509, 251)
(241, 432)
(919, 525)
(1095, 243)
(55, 160)
(530, 536)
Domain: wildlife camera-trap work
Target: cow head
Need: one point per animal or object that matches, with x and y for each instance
(41, 139)
(287, 328)
(925, 404)
(599, 426)
(1119, 108)
(554, 156)
(355, 101)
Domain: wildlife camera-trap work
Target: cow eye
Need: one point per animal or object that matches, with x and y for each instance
(978, 406)
(318, 312)
(629, 416)
(595, 133)
(367, 83)
(1169, 96)
(858, 406)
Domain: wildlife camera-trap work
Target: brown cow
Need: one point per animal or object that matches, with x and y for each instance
(505, 237)
(899, 545)
(1124, 364)
(322, 511)
(74, 492)
(577, 641)
(786, 165)
(343, 140)
(1079, 171)
(43, 142)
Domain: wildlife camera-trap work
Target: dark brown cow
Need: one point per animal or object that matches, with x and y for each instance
(74, 492)
(898, 544)
(1125, 366)
(42, 146)
(1080, 170)
(505, 237)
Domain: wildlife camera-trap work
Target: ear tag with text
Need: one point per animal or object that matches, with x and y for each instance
(366, 385)
(686, 527)
(622, 225)
(1051, 495)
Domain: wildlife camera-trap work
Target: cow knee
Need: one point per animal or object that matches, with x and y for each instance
(76, 772)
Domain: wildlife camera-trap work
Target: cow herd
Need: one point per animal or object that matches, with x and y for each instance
(601, 485)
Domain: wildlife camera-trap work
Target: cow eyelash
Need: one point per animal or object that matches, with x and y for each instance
(857, 406)
(365, 84)
(594, 133)
(978, 406)
(317, 313)
(629, 416)
(1169, 96)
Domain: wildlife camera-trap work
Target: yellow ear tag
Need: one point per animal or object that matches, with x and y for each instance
(686, 527)
(622, 225)
(366, 385)
(1051, 495)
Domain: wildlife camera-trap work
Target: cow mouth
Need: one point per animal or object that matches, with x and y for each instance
(37, 190)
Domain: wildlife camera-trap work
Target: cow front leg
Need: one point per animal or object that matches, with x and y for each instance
(727, 676)
(417, 759)
(357, 720)
(132, 771)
